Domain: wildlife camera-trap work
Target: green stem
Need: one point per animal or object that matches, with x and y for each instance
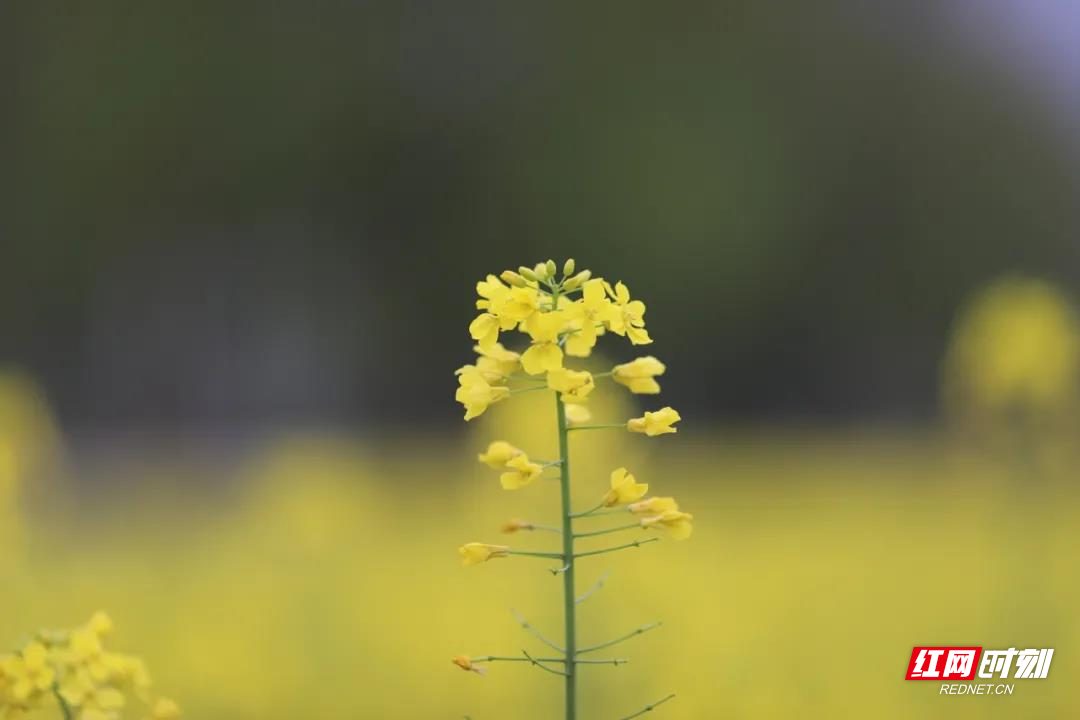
(605, 531)
(518, 391)
(634, 544)
(501, 658)
(64, 707)
(536, 633)
(649, 708)
(597, 512)
(633, 633)
(569, 606)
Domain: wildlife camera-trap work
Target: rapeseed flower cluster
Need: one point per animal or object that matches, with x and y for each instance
(72, 670)
(559, 319)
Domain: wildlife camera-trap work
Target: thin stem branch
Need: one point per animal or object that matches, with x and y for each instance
(649, 708)
(540, 665)
(525, 553)
(633, 633)
(634, 544)
(605, 531)
(597, 512)
(592, 590)
(598, 427)
(533, 631)
(514, 658)
(518, 391)
(585, 513)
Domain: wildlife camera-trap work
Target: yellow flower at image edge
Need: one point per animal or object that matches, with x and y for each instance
(624, 489)
(28, 673)
(519, 472)
(639, 375)
(678, 524)
(476, 553)
(655, 423)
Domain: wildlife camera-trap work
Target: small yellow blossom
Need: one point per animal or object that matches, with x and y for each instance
(484, 329)
(544, 354)
(101, 624)
(629, 316)
(654, 506)
(639, 375)
(677, 523)
(589, 314)
(514, 525)
(164, 709)
(519, 472)
(475, 393)
(476, 553)
(624, 489)
(498, 454)
(29, 673)
(497, 362)
(465, 663)
(575, 385)
(655, 423)
(577, 414)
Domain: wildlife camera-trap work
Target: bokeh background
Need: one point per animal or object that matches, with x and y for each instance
(238, 254)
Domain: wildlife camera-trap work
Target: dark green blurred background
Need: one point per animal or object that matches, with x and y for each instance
(229, 213)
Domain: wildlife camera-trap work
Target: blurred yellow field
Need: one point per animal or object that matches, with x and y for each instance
(321, 580)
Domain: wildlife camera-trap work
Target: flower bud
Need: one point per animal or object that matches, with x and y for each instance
(541, 271)
(578, 280)
(568, 268)
(527, 273)
(512, 278)
(551, 268)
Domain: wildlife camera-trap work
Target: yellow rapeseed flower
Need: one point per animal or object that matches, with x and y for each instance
(639, 375)
(498, 454)
(588, 315)
(654, 506)
(29, 673)
(520, 471)
(465, 663)
(497, 362)
(575, 385)
(475, 553)
(544, 354)
(475, 393)
(624, 489)
(677, 523)
(629, 316)
(655, 423)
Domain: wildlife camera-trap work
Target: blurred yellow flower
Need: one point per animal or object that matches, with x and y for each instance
(497, 362)
(639, 375)
(28, 674)
(577, 414)
(655, 423)
(1016, 347)
(677, 523)
(465, 663)
(520, 472)
(164, 709)
(498, 454)
(654, 506)
(476, 553)
(624, 489)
